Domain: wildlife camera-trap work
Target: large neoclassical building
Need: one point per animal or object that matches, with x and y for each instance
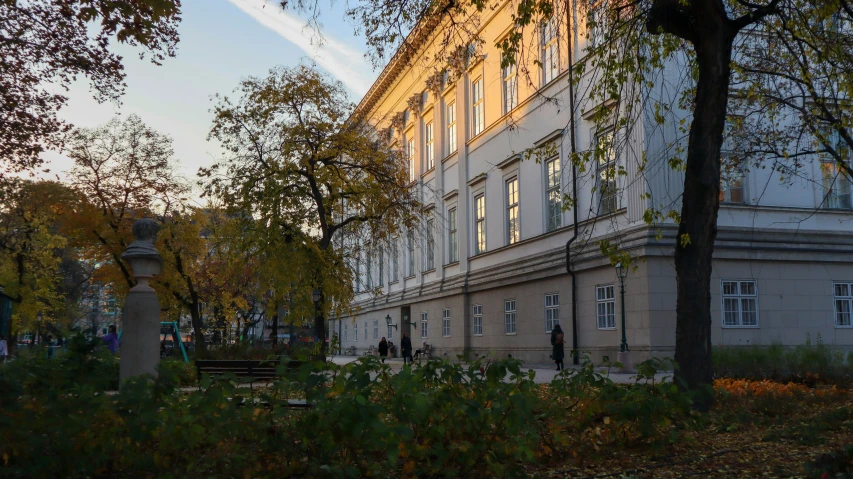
(487, 274)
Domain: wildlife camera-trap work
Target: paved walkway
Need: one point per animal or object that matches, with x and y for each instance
(544, 373)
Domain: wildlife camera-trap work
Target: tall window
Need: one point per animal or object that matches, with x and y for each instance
(740, 304)
(390, 332)
(512, 227)
(510, 85)
(445, 323)
(554, 194)
(836, 186)
(606, 175)
(376, 329)
(346, 332)
(410, 154)
(424, 329)
(365, 331)
(394, 260)
(381, 267)
(843, 305)
(479, 224)
(605, 306)
(477, 106)
(430, 153)
(358, 271)
(478, 320)
(369, 268)
(552, 311)
(452, 243)
(355, 332)
(430, 244)
(550, 51)
(509, 316)
(451, 127)
(410, 246)
(731, 182)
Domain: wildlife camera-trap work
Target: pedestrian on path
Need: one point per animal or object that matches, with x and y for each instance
(557, 341)
(406, 348)
(383, 349)
(111, 340)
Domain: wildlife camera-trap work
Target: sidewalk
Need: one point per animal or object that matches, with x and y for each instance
(544, 373)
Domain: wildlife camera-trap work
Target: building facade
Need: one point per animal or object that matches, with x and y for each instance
(486, 272)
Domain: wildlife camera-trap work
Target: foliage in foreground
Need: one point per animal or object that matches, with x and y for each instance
(441, 420)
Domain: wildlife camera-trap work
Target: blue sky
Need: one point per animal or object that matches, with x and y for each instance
(222, 41)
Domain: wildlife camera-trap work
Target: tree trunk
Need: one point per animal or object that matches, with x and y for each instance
(320, 326)
(198, 329)
(275, 329)
(700, 204)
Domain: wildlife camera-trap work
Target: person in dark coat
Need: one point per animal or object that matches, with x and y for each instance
(383, 349)
(557, 342)
(406, 348)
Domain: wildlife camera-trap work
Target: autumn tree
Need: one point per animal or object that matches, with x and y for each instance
(305, 170)
(46, 44)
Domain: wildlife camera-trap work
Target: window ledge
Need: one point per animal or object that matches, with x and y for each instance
(844, 327)
(409, 277)
(478, 335)
(740, 327)
(455, 263)
(449, 156)
(606, 329)
(510, 334)
(428, 171)
(431, 270)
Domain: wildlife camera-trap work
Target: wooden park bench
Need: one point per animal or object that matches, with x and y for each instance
(255, 370)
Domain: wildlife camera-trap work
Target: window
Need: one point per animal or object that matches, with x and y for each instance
(410, 245)
(376, 329)
(381, 267)
(451, 127)
(355, 332)
(732, 182)
(424, 329)
(445, 323)
(430, 244)
(550, 51)
(509, 316)
(478, 320)
(365, 331)
(843, 304)
(552, 311)
(605, 306)
(390, 332)
(479, 224)
(477, 104)
(346, 332)
(512, 229)
(394, 260)
(430, 154)
(836, 186)
(554, 194)
(510, 85)
(606, 177)
(358, 271)
(740, 304)
(452, 246)
(410, 154)
(369, 268)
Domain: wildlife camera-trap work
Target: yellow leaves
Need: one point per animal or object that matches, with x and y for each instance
(409, 467)
(606, 420)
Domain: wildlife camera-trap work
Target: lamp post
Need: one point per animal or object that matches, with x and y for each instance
(624, 355)
(388, 321)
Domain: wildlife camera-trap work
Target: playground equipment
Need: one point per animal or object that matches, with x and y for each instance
(170, 327)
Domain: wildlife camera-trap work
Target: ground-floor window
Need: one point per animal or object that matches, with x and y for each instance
(445, 323)
(552, 311)
(605, 306)
(843, 304)
(423, 325)
(478, 320)
(740, 304)
(509, 316)
(346, 333)
(376, 329)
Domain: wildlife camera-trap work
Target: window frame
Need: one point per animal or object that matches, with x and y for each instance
(355, 332)
(376, 330)
(740, 297)
(554, 207)
(424, 325)
(452, 235)
(477, 322)
(366, 337)
(550, 45)
(445, 323)
(510, 317)
(608, 204)
(509, 87)
(429, 257)
(346, 332)
(513, 221)
(480, 223)
(451, 127)
(395, 262)
(837, 188)
(608, 316)
(429, 138)
(554, 306)
(410, 249)
(478, 113)
(838, 300)
(728, 177)
(410, 154)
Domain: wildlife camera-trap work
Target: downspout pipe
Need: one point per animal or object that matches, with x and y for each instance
(573, 146)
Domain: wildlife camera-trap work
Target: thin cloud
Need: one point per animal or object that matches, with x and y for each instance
(339, 59)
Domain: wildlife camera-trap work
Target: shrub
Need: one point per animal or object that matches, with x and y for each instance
(836, 464)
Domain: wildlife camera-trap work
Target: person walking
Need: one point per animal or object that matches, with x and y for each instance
(383, 349)
(406, 348)
(557, 341)
(111, 340)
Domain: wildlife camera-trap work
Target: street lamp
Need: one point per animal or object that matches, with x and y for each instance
(388, 321)
(622, 272)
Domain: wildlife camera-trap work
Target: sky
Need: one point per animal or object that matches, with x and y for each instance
(221, 42)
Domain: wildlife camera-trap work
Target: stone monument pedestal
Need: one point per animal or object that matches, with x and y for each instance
(140, 347)
(624, 357)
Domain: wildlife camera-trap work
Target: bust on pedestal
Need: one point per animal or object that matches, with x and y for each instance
(140, 345)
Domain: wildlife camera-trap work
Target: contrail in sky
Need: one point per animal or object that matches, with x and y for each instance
(339, 59)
